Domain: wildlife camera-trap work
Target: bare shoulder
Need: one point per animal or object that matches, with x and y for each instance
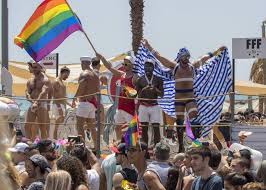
(150, 176)
(117, 178)
(82, 187)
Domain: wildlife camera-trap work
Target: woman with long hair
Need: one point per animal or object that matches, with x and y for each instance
(58, 180)
(76, 170)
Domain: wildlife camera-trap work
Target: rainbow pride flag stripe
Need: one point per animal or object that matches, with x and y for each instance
(51, 23)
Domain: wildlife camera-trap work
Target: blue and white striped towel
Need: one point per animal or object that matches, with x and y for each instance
(212, 79)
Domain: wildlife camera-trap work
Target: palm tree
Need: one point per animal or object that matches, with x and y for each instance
(136, 15)
(257, 76)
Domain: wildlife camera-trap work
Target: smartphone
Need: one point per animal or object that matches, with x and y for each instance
(79, 145)
(18, 132)
(205, 143)
(76, 139)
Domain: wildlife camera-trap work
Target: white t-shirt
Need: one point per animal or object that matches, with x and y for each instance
(93, 179)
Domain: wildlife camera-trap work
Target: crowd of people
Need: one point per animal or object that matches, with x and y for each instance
(72, 166)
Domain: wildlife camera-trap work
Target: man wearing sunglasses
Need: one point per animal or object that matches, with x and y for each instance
(126, 107)
(128, 172)
(138, 156)
(183, 72)
(149, 87)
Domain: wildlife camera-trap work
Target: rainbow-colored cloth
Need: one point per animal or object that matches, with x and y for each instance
(50, 24)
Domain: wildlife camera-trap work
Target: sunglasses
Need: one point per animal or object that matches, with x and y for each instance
(126, 64)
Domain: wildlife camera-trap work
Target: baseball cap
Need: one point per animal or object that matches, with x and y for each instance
(120, 149)
(149, 61)
(40, 161)
(36, 186)
(19, 147)
(244, 133)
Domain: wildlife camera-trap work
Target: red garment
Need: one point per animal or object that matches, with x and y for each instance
(93, 101)
(127, 105)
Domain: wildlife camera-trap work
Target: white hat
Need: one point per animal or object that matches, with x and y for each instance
(129, 58)
(85, 58)
(19, 147)
(149, 61)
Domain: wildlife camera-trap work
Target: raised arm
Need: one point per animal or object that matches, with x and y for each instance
(108, 65)
(205, 58)
(166, 62)
(94, 161)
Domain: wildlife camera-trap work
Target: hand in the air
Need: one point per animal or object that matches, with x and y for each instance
(147, 45)
(221, 48)
(99, 56)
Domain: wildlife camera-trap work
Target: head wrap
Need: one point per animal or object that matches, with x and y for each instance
(149, 61)
(182, 52)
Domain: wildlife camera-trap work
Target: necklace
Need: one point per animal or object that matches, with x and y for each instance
(149, 81)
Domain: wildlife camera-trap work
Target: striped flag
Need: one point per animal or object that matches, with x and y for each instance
(212, 79)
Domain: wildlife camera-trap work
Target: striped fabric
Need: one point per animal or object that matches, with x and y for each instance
(212, 79)
(167, 104)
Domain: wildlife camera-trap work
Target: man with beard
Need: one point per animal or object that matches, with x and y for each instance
(37, 168)
(138, 156)
(47, 149)
(183, 72)
(126, 107)
(150, 87)
(38, 91)
(88, 86)
(128, 172)
(59, 105)
(207, 179)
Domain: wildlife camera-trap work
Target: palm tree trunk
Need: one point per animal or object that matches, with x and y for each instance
(136, 15)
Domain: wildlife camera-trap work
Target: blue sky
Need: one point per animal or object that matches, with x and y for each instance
(201, 26)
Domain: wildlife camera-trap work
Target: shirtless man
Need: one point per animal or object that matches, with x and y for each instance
(87, 105)
(149, 86)
(126, 107)
(38, 88)
(183, 72)
(59, 106)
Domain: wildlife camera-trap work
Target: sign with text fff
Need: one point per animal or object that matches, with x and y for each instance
(50, 61)
(248, 48)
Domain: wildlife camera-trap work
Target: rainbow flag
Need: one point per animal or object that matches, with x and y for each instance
(132, 133)
(189, 133)
(51, 23)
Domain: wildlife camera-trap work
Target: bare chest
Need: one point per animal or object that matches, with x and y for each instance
(183, 73)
